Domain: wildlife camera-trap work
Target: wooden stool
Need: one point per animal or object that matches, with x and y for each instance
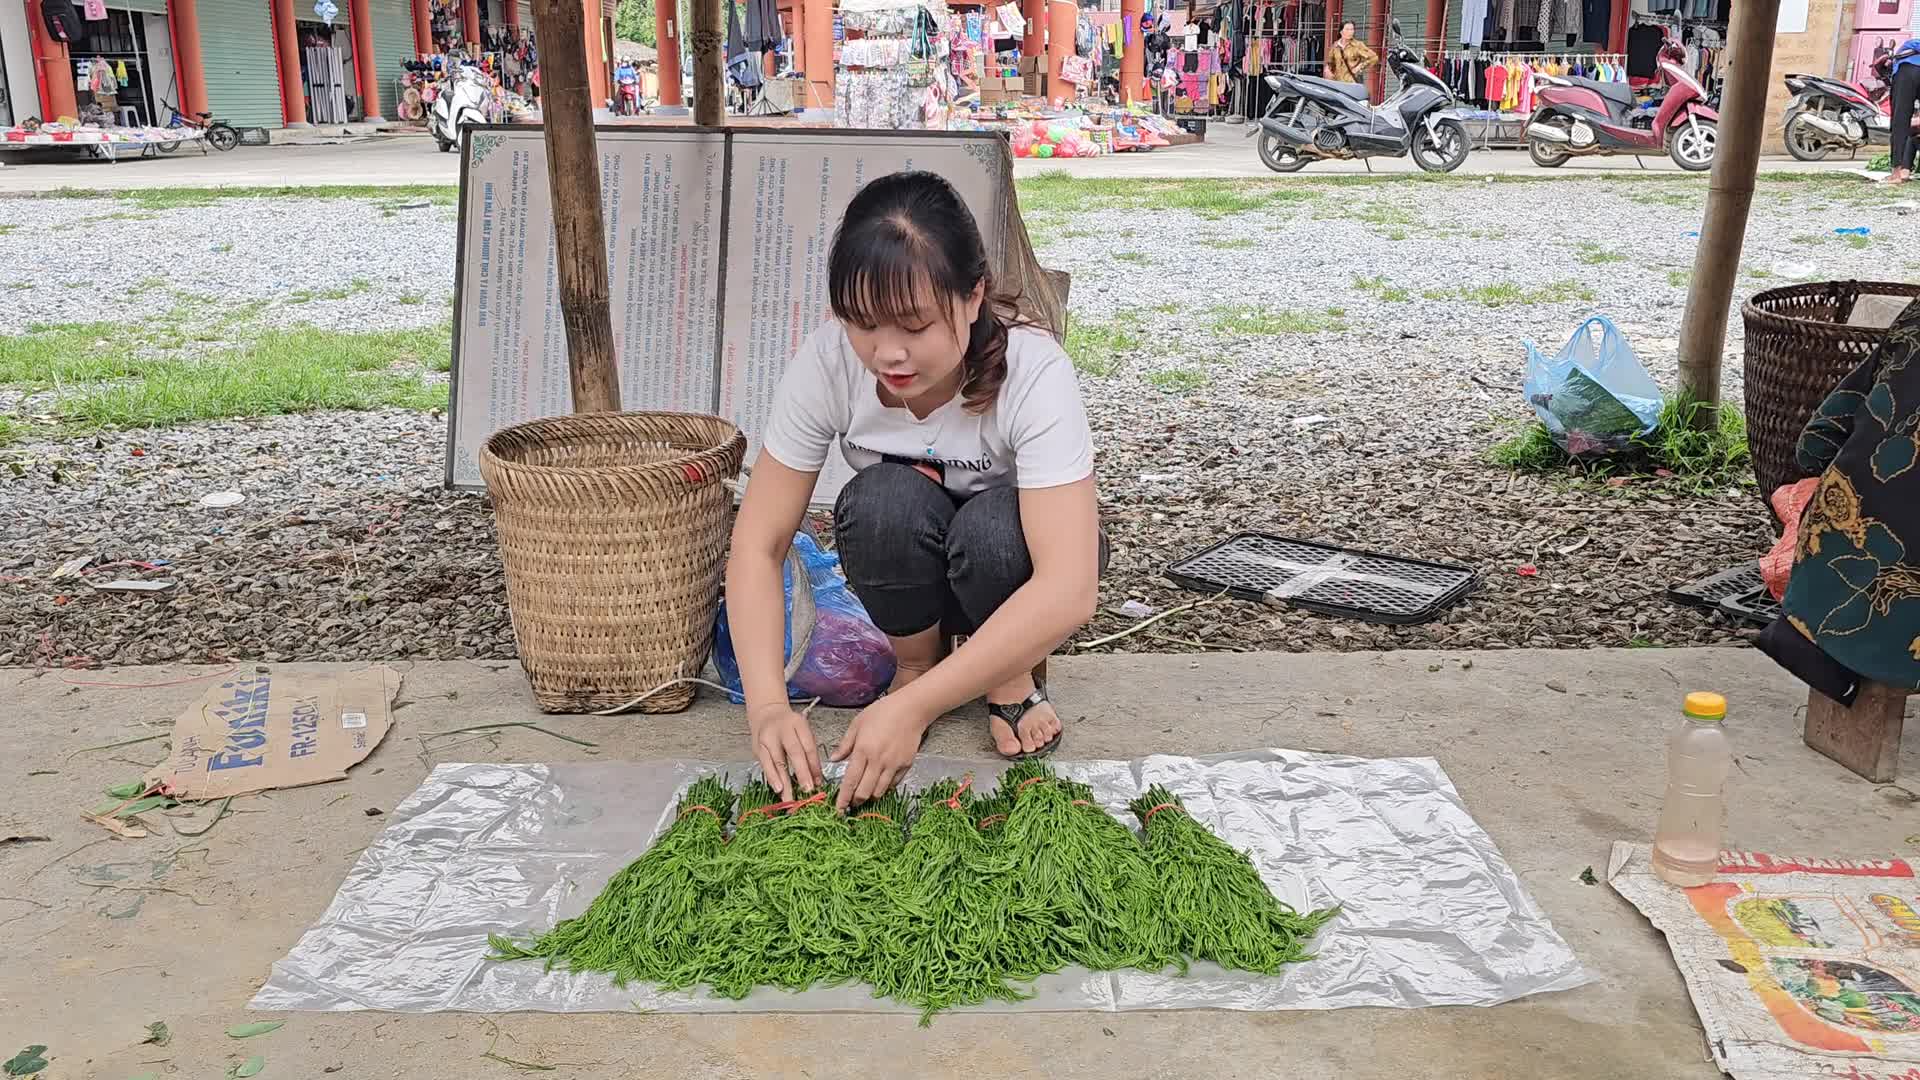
(1864, 738)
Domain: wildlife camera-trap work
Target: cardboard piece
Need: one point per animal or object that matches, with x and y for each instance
(266, 729)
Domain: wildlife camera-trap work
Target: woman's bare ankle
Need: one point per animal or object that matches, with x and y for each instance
(1013, 691)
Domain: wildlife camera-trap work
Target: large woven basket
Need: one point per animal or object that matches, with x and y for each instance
(612, 529)
(1799, 347)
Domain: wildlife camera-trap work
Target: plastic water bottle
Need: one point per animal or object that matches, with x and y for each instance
(1686, 846)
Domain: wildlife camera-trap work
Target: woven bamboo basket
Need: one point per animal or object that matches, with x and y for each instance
(612, 530)
(1799, 347)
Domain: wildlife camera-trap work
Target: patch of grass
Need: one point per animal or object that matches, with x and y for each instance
(1237, 243)
(1680, 279)
(6, 230)
(1858, 243)
(1138, 258)
(1075, 234)
(1262, 322)
(10, 430)
(1097, 348)
(336, 292)
(411, 299)
(1178, 380)
(1697, 462)
(222, 249)
(294, 370)
(1757, 273)
(1592, 254)
(1377, 286)
(1167, 307)
(61, 354)
(1512, 294)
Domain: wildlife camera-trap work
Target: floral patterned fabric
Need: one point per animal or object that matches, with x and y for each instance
(1855, 590)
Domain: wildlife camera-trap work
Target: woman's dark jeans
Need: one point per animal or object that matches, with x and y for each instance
(916, 556)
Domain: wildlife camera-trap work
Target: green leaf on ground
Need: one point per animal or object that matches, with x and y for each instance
(138, 806)
(249, 1067)
(157, 1034)
(1587, 878)
(259, 1027)
(26, 1062)
(127, 790)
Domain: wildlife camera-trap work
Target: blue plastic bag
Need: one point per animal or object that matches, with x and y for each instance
(842, 658)
(1594, 397)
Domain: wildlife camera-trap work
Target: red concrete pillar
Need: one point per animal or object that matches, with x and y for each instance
(1133, 53)
(53, 66)
(1617, 29)
(815, 43)
(1336, 17)
(1034, 41)
(470, 23)
(366, 66)
(422, 27)
(286, 41)
(1377, 40)
(1436, 31)
(1062, 17)
(596, 53)
(666, 37)
(183, 17)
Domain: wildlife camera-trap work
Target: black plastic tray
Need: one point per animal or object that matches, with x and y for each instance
(1709, 591)
(1348, 582)
(1755, 606)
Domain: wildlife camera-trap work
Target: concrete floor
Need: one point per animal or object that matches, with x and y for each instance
(1557, 753)
(412, 159)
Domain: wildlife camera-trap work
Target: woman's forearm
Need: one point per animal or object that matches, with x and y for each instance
(1030, 625)
(756, 618)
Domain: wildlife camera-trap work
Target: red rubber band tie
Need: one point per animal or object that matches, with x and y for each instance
(992, 819)
(870, 814)
(1162, 806)
(789, 806)
(704, 809)
(953, 801)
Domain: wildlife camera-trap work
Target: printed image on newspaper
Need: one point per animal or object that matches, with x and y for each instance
(1799, 967)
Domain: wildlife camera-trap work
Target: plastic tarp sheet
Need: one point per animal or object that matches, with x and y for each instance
(1431, 914)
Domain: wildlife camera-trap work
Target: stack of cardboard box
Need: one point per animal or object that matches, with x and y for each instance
(1033, 75)
(995, 90)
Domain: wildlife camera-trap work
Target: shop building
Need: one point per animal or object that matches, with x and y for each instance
(252, 63)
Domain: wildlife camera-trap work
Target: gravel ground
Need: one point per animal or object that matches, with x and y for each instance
(346, 548)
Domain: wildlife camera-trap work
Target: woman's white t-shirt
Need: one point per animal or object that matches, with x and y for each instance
(1034, 435)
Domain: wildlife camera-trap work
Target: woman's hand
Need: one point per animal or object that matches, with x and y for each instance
(783, 741)
(879, 746)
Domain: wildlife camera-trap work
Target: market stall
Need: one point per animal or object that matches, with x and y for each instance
(100, 140)
(507, 75)
(894, 69)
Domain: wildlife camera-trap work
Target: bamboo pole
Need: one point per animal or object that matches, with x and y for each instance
(709, 42)
(1716, 261)
(573, 173)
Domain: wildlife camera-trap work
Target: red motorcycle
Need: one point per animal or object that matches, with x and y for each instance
(1831, 114)
(1577, 117)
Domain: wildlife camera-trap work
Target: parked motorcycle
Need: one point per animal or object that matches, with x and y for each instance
(462, 99)
(1314, 119)
(1828, 114)
(1577, 117)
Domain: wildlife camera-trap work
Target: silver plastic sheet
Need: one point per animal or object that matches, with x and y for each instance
(1430, 912)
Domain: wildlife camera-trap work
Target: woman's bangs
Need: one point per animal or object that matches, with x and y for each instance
(890, 287)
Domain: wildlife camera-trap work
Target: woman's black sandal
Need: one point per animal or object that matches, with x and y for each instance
(1012, 714)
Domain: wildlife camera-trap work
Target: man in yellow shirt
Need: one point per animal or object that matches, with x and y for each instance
(1349, 60)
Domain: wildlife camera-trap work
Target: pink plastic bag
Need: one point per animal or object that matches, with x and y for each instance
(1789, 502)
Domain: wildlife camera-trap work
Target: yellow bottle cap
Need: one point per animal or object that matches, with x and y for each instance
(1704, 706)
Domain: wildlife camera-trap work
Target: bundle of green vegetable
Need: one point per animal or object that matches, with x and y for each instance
(642, 925)
(801, 898)
(1212, 898)
(946, 937)
(1085, 870)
